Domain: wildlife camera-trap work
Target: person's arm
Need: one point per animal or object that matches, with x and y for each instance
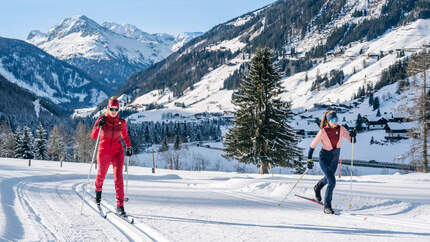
(124, 135)
(95, 132)
(314, 143)
(350, 137)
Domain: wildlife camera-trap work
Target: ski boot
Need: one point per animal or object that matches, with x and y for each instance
(98, 197)
(317, 189)
(120, 211)
(328, 210)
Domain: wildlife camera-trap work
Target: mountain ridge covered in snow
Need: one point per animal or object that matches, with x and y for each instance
(108, 52)
(45, 76)
(326, 50)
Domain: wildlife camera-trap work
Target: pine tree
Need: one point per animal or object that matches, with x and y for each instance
(40, 144)
(359, 123)
(7, 142)
(371, 99)
(18, 143)
(177, 145)
(27, 143)
(378, 114)
(261, 133)
(375, 103)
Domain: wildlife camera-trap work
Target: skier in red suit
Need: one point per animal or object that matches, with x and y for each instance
(110, 149)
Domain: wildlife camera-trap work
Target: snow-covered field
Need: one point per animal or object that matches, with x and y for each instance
(43, 202)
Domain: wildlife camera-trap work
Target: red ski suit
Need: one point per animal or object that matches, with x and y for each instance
(111, 150)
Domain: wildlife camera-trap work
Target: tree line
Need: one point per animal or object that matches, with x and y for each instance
(76, 145)
(57, 145)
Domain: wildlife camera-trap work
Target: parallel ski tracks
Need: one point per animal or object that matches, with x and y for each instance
(136, 231)
(356, 217)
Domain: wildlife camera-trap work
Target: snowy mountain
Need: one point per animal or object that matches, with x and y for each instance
(32, 109)
(326, 50)
(45, 76)
(109, 52)
(173, 43)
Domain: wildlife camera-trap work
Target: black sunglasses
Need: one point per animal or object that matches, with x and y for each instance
(114, 109)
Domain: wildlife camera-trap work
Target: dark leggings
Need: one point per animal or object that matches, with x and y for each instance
(328, 163)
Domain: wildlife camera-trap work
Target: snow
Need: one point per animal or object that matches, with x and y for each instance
(83, 112)
(43, 202)
(97, 96)
(36, 104)
(411, 35)
(46, 91)
(240, 21)
(259, 31)
(81, 37)
(233, 45)
(401, 126)
(208, 94)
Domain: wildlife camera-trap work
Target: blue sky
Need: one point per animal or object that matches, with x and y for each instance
(19, 17)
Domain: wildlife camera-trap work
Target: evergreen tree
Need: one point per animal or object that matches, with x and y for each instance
(27, 144)
(375, 103)
(40, 144)
(370, 99)
(261, 133)
(18, 143)
(7, 142)
(359, 123)
(378, 114)
(177, 145)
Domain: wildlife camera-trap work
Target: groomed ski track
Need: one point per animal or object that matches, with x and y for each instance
(43, 202)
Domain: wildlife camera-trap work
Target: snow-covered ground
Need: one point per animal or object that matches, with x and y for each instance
(43, 202)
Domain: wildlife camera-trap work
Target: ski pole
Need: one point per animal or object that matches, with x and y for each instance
(91, 166)
(270, 165)
(340, 168)
(352, 166)
(126, 183)
(300, 178)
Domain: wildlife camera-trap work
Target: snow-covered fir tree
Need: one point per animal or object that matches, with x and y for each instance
(27, 143)
(7, 141)
(261, 133)
(40, 144)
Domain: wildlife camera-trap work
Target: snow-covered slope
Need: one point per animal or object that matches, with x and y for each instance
(43, 202)
(362, 62)
(359, 69)
(109, 52)
(42, 74)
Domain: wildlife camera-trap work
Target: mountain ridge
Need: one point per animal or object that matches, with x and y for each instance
(108, 52)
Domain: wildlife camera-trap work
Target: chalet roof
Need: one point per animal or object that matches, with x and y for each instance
(401, 126)
(374, 118)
